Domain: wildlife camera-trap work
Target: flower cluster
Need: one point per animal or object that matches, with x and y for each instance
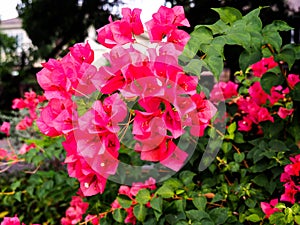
(255, 107)
(143, 94)
(75, 212)
(262, 66)
(5, 128)
(269, 208)
(30, 102)
(13, 221)
(290, 177)
(131, 193)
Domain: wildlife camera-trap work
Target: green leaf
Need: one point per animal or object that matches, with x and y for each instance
(253, 22)
(273, 38)
(199, 36)
(124, 201)
(215, 64)
(277, 145)
(140, 212)
(17, 196)
(165, 192)
(238, 37)
(200, 202)
(297, 219)
(226, 147)
(197, 215)
(239, 157)
(250, 203)
(119, 215)
(219, 215)
(270, 80)
(218, 27)
(276, 218)
(277, 25)
(253, 218)
(297, 51)
(296, 92)
(248, 58)
(288, 55)
(157, 204)
(194, 67)
(261, 180)
(174, 218)
(143, 196)
(15, 185)
(173, 183)
(186, 177)
(231, 128)
(228, 14)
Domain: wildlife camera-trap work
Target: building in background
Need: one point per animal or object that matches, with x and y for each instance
(13, 28)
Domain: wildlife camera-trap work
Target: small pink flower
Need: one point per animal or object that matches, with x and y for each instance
(263, 66)
(293, 79)
(289, 193)
(11, 221)
(115, 33)
(82, 53)
(92, 219)
(5, 128)
(245, 124)
(133, 18)
(284, 112)
(25, 123)
(223, 90)
(258, 94)
(269, 208)
(26, 148)
(165, 23)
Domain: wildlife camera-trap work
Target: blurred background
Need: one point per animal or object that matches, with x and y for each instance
(32, 31)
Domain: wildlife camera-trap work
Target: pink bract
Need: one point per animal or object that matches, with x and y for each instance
(269, 208)
(5, 128)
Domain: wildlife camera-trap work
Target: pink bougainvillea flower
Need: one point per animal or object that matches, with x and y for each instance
(176, 159)
(263, 66)
(284, 112)
(173, 121)
(18, 103)
(276, 94)
(165, 21)
(289, 193)
(5, 128)
(26, 148)
(85, 85)
(25, 123)
(269, 208)
(82, 53)
(223, 90)
(264, 115)
(56, 117)
(133, 18)
(245, 124)
(179, 37)
(75, 212)
(93, 219)
(115, 33)
(293, 79)
(156, 154)
(257, 93)
(11, 221)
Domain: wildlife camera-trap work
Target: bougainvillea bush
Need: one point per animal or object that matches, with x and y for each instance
(156, 135)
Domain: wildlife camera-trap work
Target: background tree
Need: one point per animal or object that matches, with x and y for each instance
(9, 61)
(54, 25)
